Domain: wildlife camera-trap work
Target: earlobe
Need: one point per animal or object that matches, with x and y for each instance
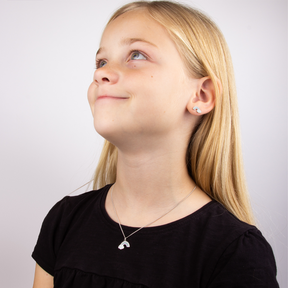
(203, 100)
(197, 109)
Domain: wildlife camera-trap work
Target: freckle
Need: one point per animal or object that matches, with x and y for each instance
(151, 76)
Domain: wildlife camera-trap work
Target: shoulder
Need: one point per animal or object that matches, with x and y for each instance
(240, 253)
(71, 205)
(228, 232)
(219, 227)
(247, 261)
(219, 222)
(64, 215)
(68, 212)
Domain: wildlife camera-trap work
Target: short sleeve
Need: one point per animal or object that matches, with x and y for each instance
(51, 236)
(247, 262)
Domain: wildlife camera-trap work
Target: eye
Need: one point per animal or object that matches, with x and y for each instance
(100, 63)
(136, 55)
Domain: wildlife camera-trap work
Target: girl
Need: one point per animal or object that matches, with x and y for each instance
(169, 206)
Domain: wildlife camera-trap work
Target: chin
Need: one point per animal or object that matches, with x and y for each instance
(106, 131)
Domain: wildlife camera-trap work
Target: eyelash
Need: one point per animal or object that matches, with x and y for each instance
(98, 61)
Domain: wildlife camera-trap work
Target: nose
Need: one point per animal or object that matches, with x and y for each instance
(106, 75)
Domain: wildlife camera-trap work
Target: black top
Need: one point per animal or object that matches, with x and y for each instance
(78, 245)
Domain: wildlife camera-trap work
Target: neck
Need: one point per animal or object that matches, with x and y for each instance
(148, 185)
(151, 181)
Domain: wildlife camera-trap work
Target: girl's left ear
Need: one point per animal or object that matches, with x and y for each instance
(203, 99)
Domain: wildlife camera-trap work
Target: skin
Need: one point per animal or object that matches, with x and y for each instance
(151, 120)
(42, 279)
(142, 101)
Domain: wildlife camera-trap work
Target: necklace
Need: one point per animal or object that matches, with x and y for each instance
(125, 243)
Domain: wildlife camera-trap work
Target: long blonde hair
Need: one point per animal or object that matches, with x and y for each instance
(214, 158)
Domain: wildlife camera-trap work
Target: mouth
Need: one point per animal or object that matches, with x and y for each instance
(111, 97)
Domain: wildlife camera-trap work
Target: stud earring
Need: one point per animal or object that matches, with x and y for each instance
(197, 109)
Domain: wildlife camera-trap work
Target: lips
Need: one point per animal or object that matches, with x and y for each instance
(111, 97)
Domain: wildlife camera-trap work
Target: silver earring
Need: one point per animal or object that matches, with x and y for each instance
(197, 109)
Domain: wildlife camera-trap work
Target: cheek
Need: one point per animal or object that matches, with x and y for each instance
(156, 92)
(91, 96)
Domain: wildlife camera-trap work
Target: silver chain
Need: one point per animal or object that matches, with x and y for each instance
(148, 223)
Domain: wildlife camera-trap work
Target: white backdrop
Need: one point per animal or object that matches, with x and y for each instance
(48, 143)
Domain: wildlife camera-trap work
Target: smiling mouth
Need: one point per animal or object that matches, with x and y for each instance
(111, 97)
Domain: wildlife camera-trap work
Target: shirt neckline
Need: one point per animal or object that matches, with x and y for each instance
(115, 225)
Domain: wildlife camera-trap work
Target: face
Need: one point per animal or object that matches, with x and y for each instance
(140, 88)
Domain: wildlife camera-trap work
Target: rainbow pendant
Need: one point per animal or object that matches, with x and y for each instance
(123, 245)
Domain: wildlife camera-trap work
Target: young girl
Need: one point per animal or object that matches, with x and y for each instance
(170, 207)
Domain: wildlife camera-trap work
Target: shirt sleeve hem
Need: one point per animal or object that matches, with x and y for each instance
(42, 264)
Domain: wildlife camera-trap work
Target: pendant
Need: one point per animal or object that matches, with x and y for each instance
(123, 244)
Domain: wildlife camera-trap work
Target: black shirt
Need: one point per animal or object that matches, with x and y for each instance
(78, 245)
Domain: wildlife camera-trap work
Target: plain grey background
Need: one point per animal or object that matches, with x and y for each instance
(48, 143)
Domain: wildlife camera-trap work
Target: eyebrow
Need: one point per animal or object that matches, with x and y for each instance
(129, 41)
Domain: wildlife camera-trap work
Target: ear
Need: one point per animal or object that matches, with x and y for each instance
(203, 99)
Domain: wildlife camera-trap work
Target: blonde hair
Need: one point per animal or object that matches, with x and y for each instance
(214, 158)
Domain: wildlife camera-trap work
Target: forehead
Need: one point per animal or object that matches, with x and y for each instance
(135, 24)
